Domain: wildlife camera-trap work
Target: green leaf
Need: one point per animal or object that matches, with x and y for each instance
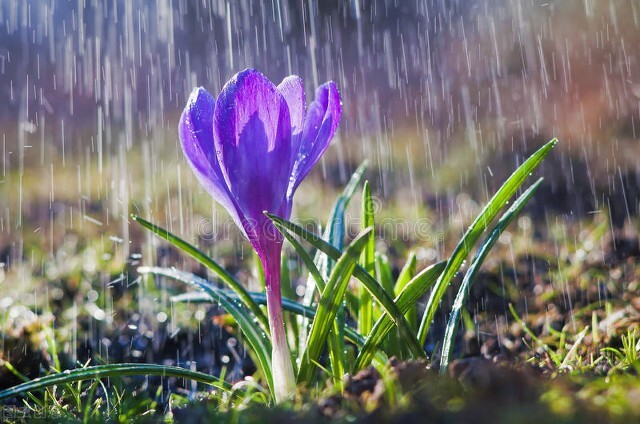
(291, 321)
(112, 370)
(391, 344)
(553, 355)
(334, 233)
(367, 261)
(251, 331)
(311, 267)
(463, 292)
(372, 286)
(414, 289)
(205, 260)
(285, 280)
(330, 233)
(406, 274)
(337, 361)
(330, 302)
(384, 274)
(336, 230)
(479, 225)
(337, 348)
(354, 181)
(261, 299)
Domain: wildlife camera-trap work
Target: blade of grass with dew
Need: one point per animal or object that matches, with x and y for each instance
(557, 360)
(469, 278)
(286, 290)
(205, 260)
(342, 202)
(53, 353)
(334, 234)
(566, 362)
(311, 267)
(371, 284)
(24, 378)
(286, 286)
(367, 261)
(261, 299)
(391, 343)
(414, 289)
(475, 230)
(330, 301)
(251, 331)
(337, 349)
(52, 347)
(337, 355)
(384, 274)
(87, 412)
(336, 338)
(112, 370)
(406, 274)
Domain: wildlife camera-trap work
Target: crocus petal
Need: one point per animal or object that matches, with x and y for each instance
(196, 137)
(321, 122)
(292, 89)
(252, 137)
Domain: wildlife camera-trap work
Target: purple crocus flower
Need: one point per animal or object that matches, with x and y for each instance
(250, 149)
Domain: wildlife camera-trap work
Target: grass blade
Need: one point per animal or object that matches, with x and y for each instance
(309, 264)
(334, 233)
(414, 289)
(337, 355)
(255, 337)
(373, 287)
(341, 204)
(112, 370)
(384, 274)
(261, 299)
(291, 321)
(205, 260)
(391, 344)
(406, 274)
(482, 221)
(463, 292)
(354, 181)
(336, 230)
(336, 339)
(553, 355)
(367, 261)
(330, 302)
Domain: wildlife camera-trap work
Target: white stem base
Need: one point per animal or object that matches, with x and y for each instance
(283, 379)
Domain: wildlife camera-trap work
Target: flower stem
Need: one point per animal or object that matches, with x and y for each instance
(281, 365)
